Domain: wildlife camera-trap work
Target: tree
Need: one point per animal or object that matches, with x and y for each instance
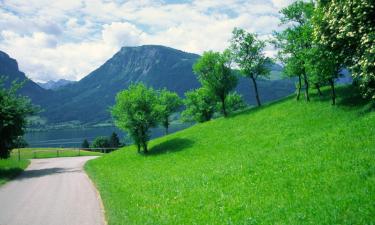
(295, 41)
(200, 105)
(114, 141)
(346, 29)
(247, 51)
(235, 102)
(169, 102)
(323, 67)
(136, 111)
(101, 143)
(216, 76)
(20, 142)
(85, 144)
(14, 110)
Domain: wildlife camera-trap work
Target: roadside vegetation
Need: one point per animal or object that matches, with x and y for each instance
(11, 167)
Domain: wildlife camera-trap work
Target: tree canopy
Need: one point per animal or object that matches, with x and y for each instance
(169, 102)
(214, 73)
(136, 111)
(247, 51)
(200, 105)
(14, 110)
(347, 29)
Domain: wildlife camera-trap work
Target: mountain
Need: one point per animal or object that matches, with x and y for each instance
(53, 85)
(9, 69)
(89, 99)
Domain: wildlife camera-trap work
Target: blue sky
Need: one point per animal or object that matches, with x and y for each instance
(70, 38)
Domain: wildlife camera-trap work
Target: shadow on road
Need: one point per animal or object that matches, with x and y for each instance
(7, 174)
(46, 172)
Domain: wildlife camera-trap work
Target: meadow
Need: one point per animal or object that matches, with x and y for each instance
(287, 162)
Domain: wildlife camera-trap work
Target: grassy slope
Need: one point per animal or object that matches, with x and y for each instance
(286, 163)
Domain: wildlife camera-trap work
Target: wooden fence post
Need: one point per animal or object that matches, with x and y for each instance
(19, 155)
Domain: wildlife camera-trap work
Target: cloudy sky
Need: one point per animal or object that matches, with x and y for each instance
(70, 38)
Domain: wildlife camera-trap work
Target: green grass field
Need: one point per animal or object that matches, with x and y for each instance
(11, 167)
(285, 163)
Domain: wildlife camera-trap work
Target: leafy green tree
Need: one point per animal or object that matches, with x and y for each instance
(14, 110)
(200, 105)
(323, 68)
(247, 51)
(235, 102)
(101, 143)
(295, 41)
(137, 109)
(114, 140)
(214, 73)
(346, 29)
(85, 144)
(169, 102)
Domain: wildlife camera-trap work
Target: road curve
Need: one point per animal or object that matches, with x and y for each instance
(52, 191)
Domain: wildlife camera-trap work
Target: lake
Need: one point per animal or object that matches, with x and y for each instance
(73, 137)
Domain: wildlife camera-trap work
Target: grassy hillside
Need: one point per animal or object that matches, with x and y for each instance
(286, 163)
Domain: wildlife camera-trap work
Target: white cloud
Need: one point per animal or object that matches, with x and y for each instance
(121, 34)
(68, 39)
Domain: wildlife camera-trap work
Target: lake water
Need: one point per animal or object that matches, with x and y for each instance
(74, 137)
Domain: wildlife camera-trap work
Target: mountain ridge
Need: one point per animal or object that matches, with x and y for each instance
(89, 99)
(9, 68)
(53, 85)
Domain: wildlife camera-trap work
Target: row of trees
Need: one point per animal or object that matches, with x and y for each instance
(112, 142)
(323, 38)
(140, 108)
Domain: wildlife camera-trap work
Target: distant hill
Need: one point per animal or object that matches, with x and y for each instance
(54, 85)
(89, 100)
(9, 69)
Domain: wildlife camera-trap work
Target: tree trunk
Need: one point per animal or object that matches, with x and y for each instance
(306, 87)
(299, 87)
(138, 148)
(256, 90)
(224, 107)
(145, 150)
(166, 124)
(317, 86)
(4, 153)
(333, 92)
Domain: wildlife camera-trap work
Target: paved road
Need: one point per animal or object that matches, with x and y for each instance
(51, 192)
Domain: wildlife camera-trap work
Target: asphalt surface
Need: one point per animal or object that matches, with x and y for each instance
(52, 191)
